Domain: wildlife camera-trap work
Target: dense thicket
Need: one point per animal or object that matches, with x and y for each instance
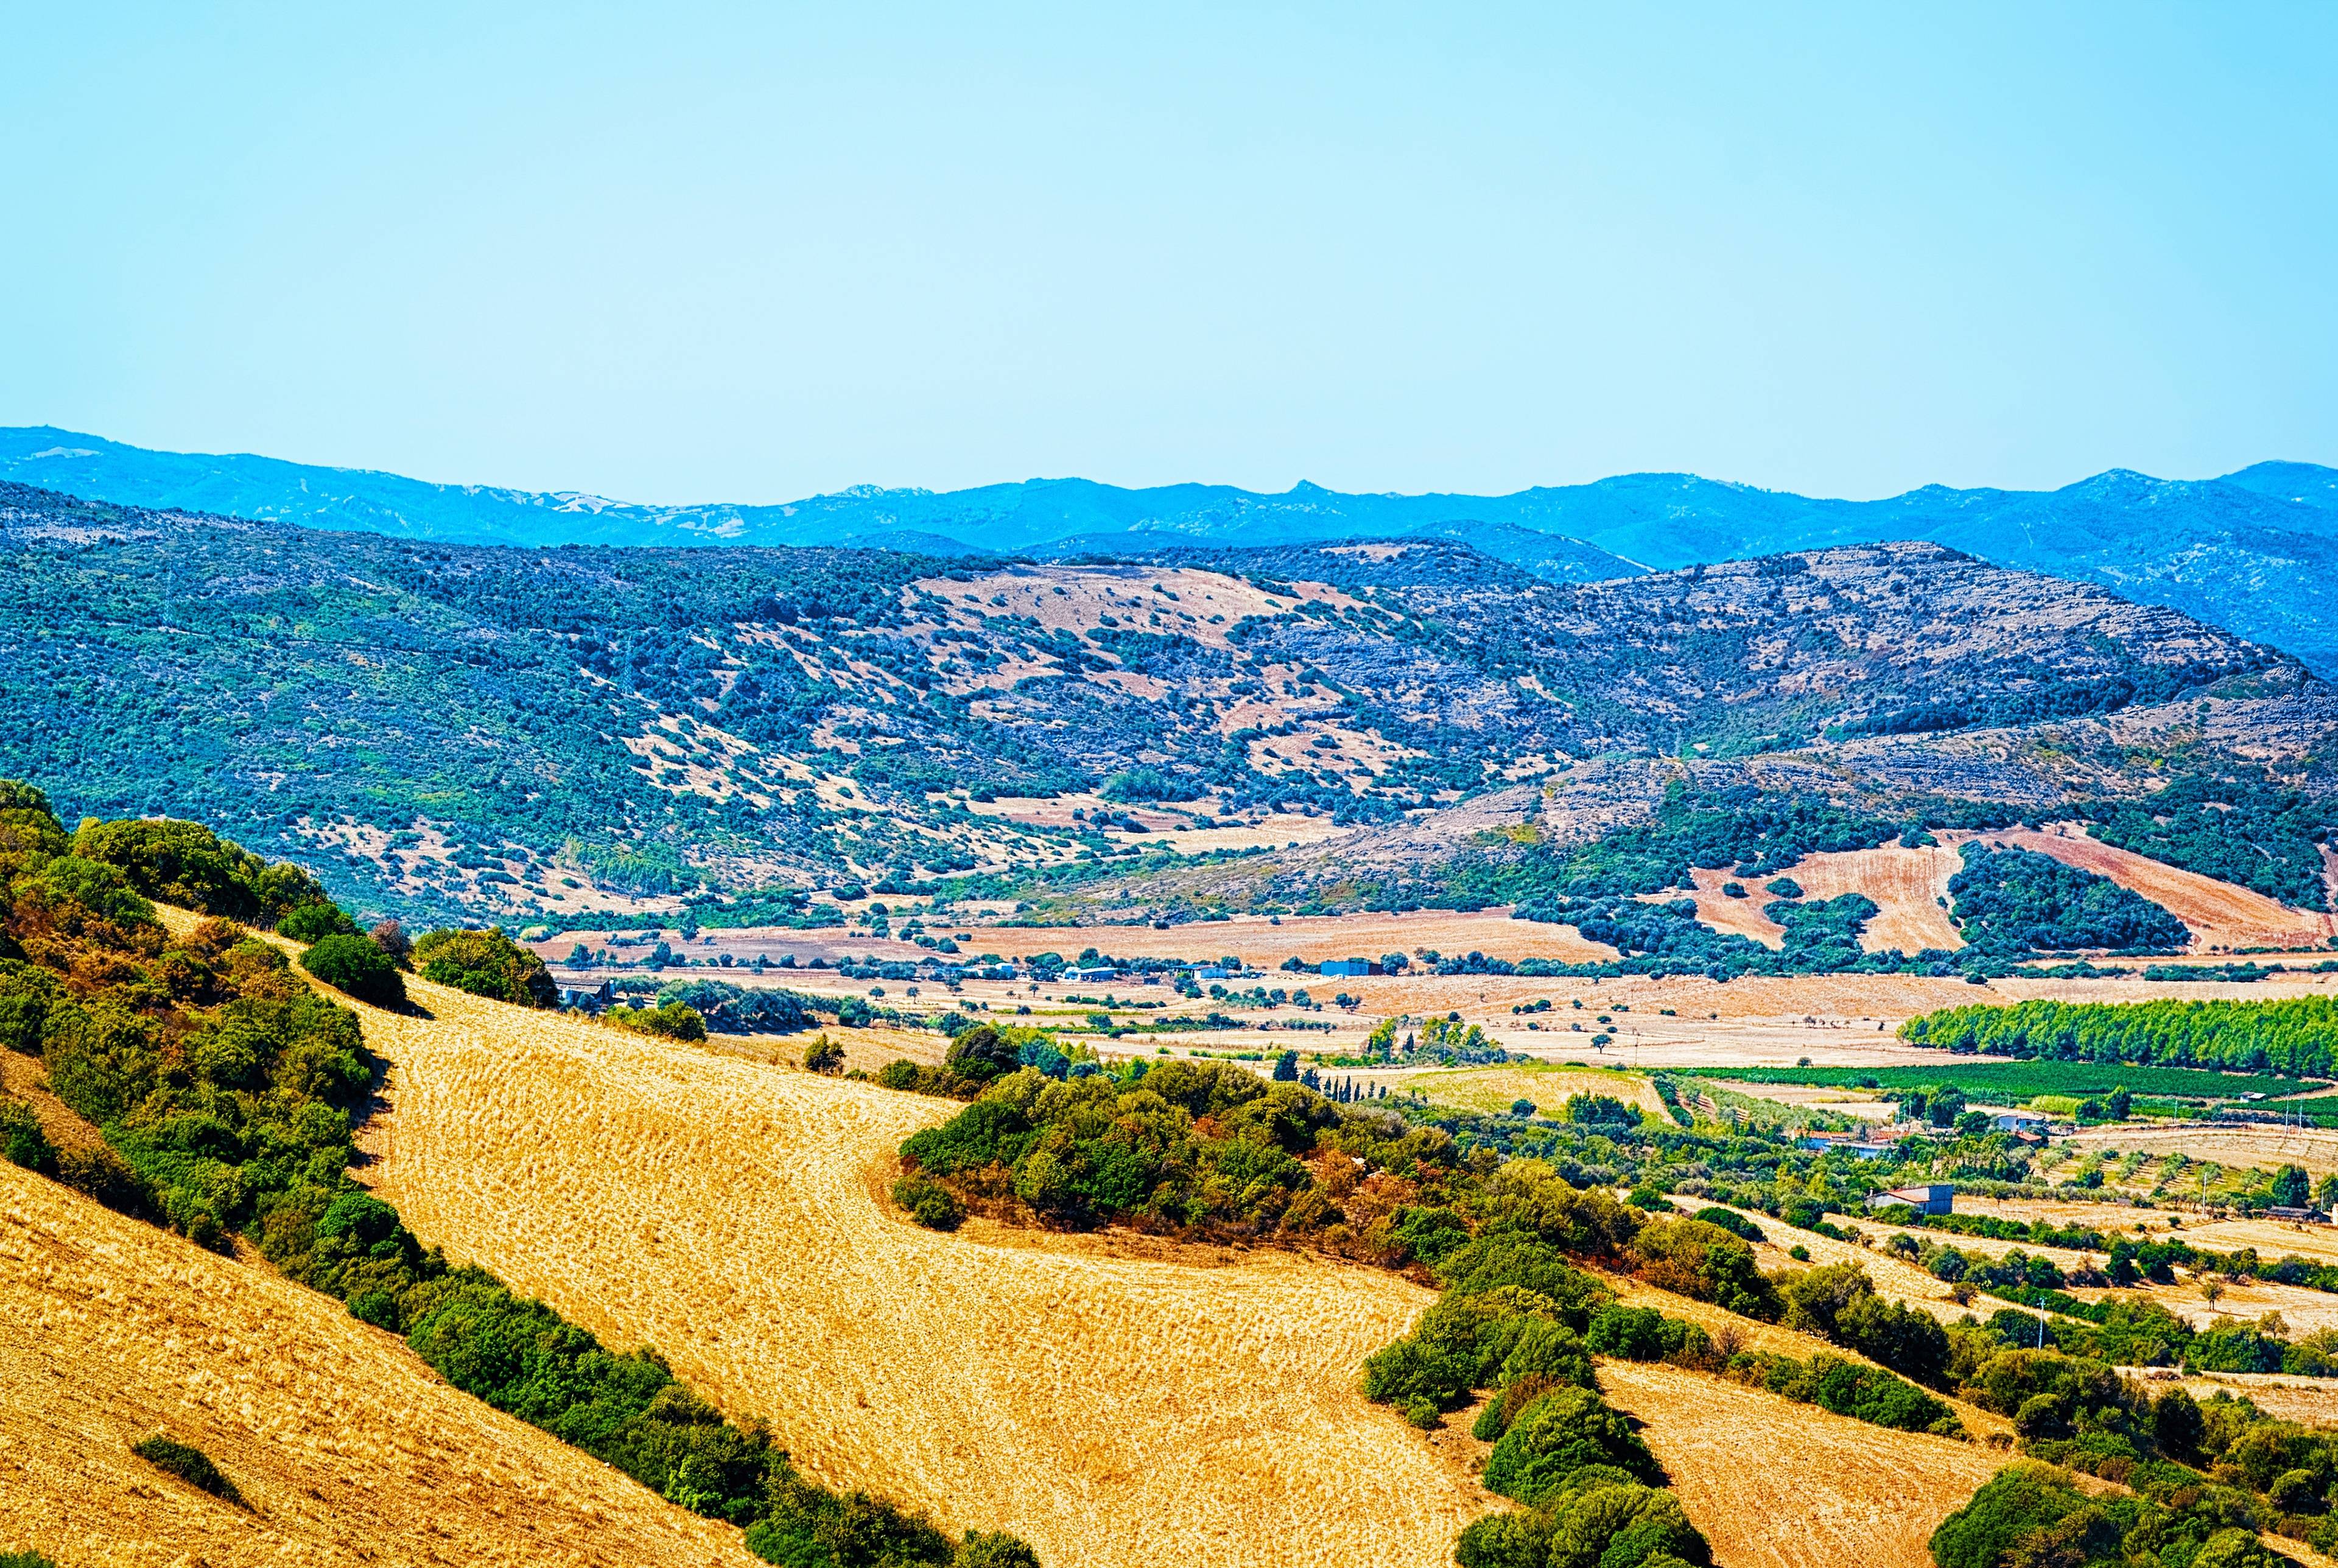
(485, 963)
(2244, 832)
(2011, 902)
(2296, 1036)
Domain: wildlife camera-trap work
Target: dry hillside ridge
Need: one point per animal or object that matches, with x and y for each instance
(348, 1449)
(1110, 1403)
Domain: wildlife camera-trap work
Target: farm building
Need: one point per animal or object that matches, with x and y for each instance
(1857, 1144)
(1340, 968)
(2018, 1120)
(1936, 1199)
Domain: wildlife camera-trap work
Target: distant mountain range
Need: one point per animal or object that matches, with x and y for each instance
(2255, 551)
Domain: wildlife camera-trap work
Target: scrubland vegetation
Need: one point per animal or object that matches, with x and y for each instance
(1520, 1228)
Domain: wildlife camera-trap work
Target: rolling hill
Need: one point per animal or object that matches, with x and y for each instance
(441, 728)
(2251, 551)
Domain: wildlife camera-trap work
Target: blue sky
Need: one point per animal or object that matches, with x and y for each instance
(698, 253)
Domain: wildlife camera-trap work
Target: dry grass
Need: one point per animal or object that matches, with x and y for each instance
(347, 1448)
(2259, 1148)
(1496, 1089)
(1906, 885)
(1111, 1403)
(1771, 1482)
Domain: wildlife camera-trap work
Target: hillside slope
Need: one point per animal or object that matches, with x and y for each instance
(2253, 551)
(1110, 1406)
(347, 1450)
(1776, 1484)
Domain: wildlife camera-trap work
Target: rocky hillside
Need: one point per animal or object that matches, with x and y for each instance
(2255, 551)
(518, 729)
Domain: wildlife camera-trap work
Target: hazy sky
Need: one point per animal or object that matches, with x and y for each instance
(746, 252)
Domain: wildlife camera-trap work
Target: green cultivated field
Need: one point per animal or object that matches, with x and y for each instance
(2015, 1082)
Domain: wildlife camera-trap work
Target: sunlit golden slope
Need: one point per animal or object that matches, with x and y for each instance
(347, 1448)
(1110, 1406)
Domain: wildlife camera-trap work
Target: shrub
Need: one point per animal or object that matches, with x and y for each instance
(1706, 1262)
(354, 966)
(96, 886)
(1001, 1550)
(986, 1051)
(1729, 1220)
(188, 1463)
(1640, 1334)
(26, 1560)
(485, 963)
(810, 1528)
(2018, 1504)
(1411, 1369)
(670, 1021)
(98, 1173)
(181, 863)
(1559, 1434)
(1624, 1526)
(823, 1055)
(22, 1141)
(315, 922)
(929, 1202)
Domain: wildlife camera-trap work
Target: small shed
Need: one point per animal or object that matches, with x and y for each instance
(1938, 1198)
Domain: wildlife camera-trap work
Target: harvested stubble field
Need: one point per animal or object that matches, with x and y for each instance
(1777, 1484)
(1905, 883)
(2261, 1148)
(347, 1448)
(1110, 1403)
(1265, 942)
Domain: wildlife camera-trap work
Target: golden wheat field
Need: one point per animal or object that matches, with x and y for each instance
(347, 1448)
(1777, 1484)
(1109, 1404)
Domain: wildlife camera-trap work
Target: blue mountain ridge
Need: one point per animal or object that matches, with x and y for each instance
(2255, 552)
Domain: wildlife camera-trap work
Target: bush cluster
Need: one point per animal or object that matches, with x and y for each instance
(188, 1463)
(485, 963)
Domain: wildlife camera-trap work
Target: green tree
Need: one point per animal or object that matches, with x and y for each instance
(353, 964)
(2292, 1188)
(1556, 1435)
(485, 963)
